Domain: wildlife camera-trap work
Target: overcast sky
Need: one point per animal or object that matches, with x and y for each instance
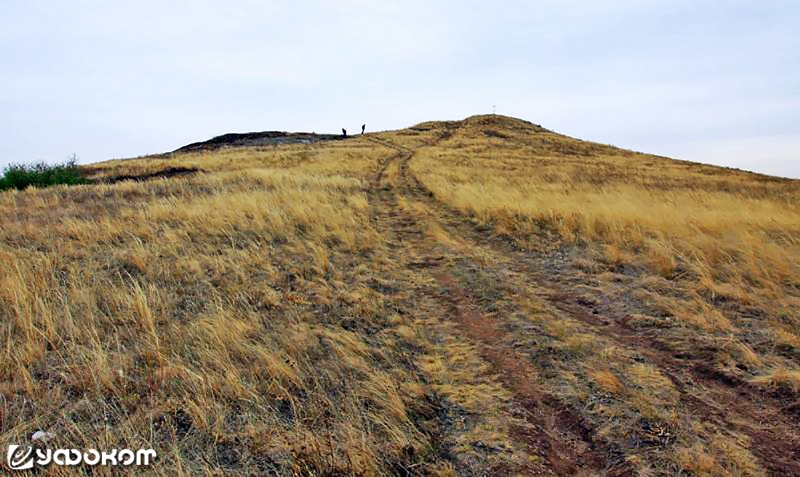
(709, 81)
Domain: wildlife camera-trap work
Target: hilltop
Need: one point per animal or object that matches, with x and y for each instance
(474, 297)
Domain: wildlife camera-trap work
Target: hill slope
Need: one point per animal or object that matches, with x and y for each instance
(476, 297)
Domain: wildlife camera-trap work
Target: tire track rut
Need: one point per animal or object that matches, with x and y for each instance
(778, 451)
(555, 430)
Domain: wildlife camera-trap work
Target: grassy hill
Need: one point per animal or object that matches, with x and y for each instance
(476, 297)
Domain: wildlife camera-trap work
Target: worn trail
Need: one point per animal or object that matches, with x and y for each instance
(567, 436)
(555, 431)
(731, 404)
(735, 403)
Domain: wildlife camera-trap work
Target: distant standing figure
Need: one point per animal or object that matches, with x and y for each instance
(344, 132)
(363, 127)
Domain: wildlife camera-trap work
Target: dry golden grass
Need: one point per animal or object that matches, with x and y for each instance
(267, 315)
(202, 316)
(708, 257)
(727, 242)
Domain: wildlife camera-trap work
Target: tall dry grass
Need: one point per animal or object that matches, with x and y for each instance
(260, 317)
(724, 245)
(224, 319)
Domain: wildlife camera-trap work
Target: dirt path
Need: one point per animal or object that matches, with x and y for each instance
(555, 430)
(769, 421)
(735, 403)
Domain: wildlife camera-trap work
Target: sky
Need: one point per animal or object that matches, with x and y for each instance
(708, 81)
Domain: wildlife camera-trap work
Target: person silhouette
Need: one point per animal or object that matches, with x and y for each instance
(363, 127)
(344, 132)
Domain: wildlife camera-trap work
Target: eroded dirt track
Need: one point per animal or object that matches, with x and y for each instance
(554, 430)
(460, 256)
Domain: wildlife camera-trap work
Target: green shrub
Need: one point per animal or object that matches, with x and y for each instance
(41, 174)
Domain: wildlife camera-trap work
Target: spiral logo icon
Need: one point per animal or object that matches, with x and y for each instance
(20, 460)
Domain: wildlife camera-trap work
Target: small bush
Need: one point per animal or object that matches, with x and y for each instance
(41, 174)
